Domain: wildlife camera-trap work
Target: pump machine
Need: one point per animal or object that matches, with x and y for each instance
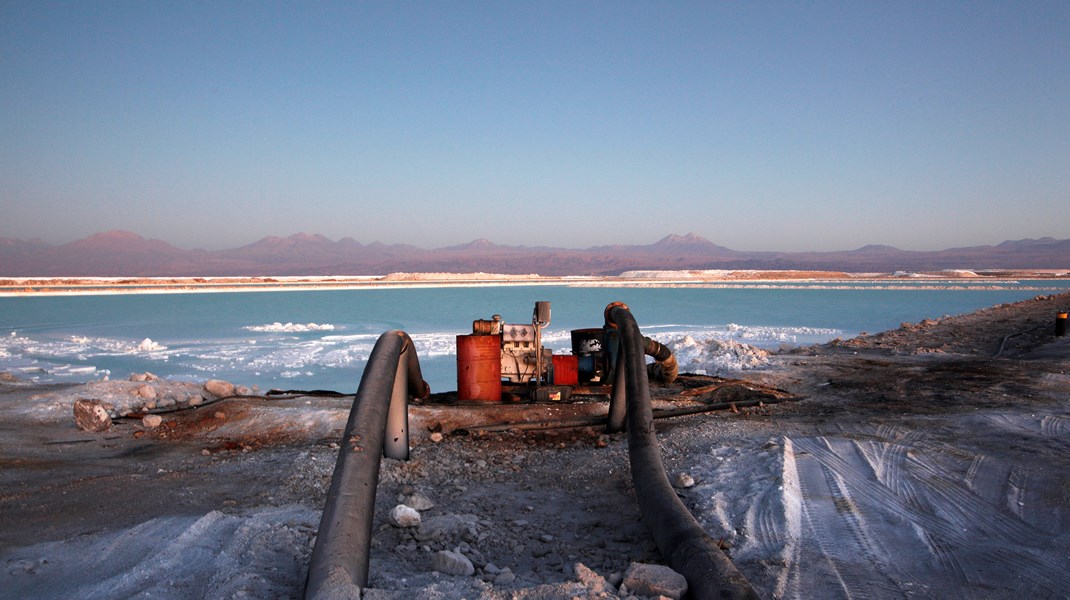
(502, 361)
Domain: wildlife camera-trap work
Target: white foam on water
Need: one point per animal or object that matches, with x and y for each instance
(289, 327)
(722, 350)
(433, 345)
(82, 347)
(766, 336)
(299, 352)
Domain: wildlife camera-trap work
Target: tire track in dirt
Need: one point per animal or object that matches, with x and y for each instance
(965, 533)
(944, 555)
(1018, 490)
(986, 476)
(1001, 524)
(840, 530)
(888, 470)
(1055, 426)
(886, 458)
(788, 581)
(960, 507)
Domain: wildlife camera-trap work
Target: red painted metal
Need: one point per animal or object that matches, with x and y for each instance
(566, 369)
(479, 368)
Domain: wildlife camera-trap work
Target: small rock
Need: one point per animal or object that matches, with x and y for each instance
(450, 528)
(222, 416)
(151, 421)
(504, 577)
(452, 563)
(655, 580)
(91, 415)
(436, 436)
(241, 390)
(151, 376)
(594, 582)
(683, 481)
(219, 388)
(206, 452)
(195, 400)
(138, 377)
(338, 585)
(146, 391)
(404, 516)
(419, 502)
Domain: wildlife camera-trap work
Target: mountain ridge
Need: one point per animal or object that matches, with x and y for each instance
(123, 253)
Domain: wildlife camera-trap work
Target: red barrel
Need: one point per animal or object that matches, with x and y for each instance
(479, 368)
(566, 370)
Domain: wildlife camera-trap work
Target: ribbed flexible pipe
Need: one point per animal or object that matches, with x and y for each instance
(681, 540)
(377, 426)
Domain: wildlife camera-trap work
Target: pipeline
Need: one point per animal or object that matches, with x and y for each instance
(377, 426)
(665, 369)
(690, 551)
(595, 420)
(1007, 338)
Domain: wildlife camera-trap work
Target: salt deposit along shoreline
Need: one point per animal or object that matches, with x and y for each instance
(919, 463)
(969, 279)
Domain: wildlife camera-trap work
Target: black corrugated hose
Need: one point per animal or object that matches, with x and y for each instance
(680, 538)
(377, 426)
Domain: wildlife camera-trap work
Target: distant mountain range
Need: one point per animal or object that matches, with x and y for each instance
(124, 254)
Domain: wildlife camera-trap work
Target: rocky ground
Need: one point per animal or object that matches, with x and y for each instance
(954, 432)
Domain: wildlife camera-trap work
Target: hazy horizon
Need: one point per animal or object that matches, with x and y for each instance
(761, 127)
(644, 242)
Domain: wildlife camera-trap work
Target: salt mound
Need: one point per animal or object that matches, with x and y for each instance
(711, 356)
(147, 345)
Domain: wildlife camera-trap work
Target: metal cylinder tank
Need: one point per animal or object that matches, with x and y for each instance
(566, 369)
(479, 368)
(587, 348)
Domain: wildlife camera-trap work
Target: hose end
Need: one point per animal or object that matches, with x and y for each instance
(609, 309)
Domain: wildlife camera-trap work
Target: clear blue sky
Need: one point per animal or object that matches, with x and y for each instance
(759, 125)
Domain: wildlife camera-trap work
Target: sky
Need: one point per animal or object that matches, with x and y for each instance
(788, 126)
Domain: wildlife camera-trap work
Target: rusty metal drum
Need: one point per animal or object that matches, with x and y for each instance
(479, 368)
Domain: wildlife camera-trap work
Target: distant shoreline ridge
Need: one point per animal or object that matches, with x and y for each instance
(971, 278)
(124, 253)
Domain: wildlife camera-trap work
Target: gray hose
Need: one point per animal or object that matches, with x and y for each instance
(690, 551)
(378, 425)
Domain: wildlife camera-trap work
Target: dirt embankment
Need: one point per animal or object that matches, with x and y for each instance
(1007, 330)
